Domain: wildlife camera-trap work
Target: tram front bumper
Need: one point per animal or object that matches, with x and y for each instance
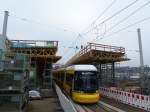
(86, 97)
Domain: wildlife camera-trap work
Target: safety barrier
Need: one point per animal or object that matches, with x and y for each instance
(132, 99)
(64, 101)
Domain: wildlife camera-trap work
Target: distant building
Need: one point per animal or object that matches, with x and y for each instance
(132, 74)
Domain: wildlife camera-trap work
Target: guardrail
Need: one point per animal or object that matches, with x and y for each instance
(101, 47)
(132, 99)
(64, 101)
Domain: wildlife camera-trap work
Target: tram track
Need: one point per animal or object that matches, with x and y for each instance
(90, 108)
(99, 107)
(94, 108)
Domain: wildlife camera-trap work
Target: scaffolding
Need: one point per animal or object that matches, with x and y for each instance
(42, 55)
(98, 53)
(36, 49)
(14, 80)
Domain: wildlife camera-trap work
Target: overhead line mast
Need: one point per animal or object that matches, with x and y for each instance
(4, 33)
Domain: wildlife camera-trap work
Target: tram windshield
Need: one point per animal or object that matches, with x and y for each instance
(86, 81)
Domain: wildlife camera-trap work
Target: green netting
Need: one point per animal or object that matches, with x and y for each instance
(12, 81)
(33, 75)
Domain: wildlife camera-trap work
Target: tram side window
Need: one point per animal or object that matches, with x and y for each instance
(54, 75)
(78, 83)
(69, 79)
(58, 76)
(62, 76)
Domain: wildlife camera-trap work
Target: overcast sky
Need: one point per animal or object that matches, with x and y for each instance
(64, 20)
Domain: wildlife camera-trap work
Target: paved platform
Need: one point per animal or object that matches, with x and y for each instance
(50, 104)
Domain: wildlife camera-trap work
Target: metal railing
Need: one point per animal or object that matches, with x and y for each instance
(118, 52)
(100, 47)
(33, 43)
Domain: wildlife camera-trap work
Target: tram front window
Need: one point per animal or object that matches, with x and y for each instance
(86, 81)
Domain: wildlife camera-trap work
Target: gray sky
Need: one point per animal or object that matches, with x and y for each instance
(63, 20)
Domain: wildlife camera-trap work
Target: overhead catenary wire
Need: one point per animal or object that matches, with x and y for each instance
(112, 16)
(132, 50)
(95, 19)
(101, 14)
(72, 44)
(121, 21)
(39, 23)
(122, 29)
(106, 9)
(131, 14)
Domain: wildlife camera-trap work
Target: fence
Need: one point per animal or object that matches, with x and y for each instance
(132, 99)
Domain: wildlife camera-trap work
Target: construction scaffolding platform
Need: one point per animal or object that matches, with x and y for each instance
(36, 49)
(97, 53)
(42, 55)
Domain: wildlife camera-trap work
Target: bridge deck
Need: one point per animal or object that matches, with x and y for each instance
(98, 53)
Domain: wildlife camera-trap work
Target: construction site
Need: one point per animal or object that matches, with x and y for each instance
(26, 70)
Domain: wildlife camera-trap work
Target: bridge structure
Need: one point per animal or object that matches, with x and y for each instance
(42, 55)
(98, 53)
(103, 57)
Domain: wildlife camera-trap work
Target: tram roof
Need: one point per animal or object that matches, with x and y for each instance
(82, 68)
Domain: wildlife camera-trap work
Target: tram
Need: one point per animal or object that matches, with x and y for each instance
(80, 82)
